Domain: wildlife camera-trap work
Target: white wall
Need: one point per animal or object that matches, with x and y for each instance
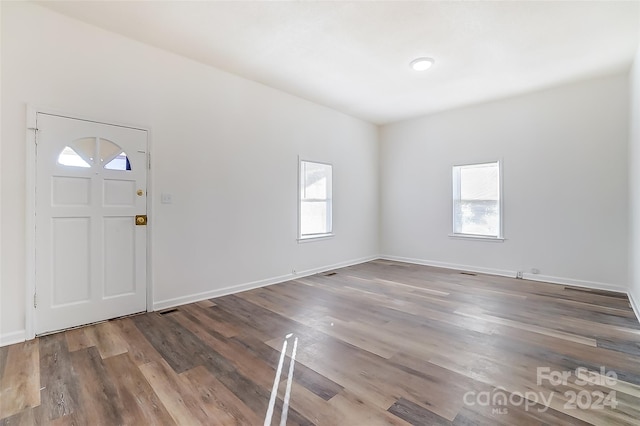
(564, 153)
(634, 185)
(224, 147)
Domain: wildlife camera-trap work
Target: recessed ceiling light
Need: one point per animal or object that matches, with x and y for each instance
(422, 64)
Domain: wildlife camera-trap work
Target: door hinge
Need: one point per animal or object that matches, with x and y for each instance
(149, 160)
(35, 300)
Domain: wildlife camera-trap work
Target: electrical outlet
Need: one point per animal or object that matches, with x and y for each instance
(519, 275)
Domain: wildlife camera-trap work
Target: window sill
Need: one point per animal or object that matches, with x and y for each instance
(477, 237)
(311, 238)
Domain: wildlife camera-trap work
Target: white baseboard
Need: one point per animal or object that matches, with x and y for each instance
(635, 305)
(511, 274)
(183, 300)
(455, 266)
(13, 337)
(594, 285)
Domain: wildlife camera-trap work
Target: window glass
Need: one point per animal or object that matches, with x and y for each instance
(315, 199)
(108, 150)
(82, 152)
(120, 162)
(69, 157)
(112, 156)
(85, 148)
(476, 200)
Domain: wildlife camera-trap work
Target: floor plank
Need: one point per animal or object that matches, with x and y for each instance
(59, 396)
(78, 339)
(107, 339)
(141, 405)
(20, 382)
(180, 403)
(228, 407)
(415, 414)
(96, 390)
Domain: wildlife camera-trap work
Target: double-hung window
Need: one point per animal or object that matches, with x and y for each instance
(315, 205)
(477, 203)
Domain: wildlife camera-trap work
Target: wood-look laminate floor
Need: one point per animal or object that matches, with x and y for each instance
(381, 343)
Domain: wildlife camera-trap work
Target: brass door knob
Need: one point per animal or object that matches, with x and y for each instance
(140, 192)
(141, 219)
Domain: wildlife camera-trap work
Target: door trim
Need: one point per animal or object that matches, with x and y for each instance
(30, 208)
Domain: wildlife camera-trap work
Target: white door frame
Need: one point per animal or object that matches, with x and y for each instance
(30, 192)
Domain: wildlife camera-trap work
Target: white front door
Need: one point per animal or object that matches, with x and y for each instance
(91, 183)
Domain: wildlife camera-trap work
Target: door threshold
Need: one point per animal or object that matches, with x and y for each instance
(47, 333)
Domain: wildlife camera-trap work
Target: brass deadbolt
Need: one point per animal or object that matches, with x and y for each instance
(141, 219)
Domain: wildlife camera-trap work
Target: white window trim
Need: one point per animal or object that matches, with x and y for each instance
(500, 237)
(312, 237)
(315, 237)
(477, 237)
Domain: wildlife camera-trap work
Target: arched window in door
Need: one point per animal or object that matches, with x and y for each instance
(82, 153)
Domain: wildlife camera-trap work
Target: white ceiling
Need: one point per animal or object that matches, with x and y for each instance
(354, 56)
